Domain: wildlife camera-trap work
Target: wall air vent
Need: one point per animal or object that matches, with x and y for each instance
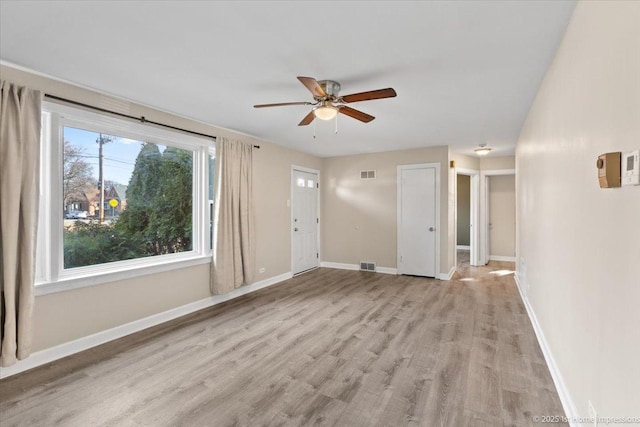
(367, 266)
(367, 174)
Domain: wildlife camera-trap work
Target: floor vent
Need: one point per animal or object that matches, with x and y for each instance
(367, 266)
(367, 174)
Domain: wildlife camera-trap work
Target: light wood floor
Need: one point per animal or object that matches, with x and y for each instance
(464, 257)
(330, 347)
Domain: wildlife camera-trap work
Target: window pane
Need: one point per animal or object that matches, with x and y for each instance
(310, 183)
(124, 199)
(212, 164)
(300, 182)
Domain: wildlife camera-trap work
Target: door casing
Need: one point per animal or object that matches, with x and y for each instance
(475, 214)
(438, 230)
(484, 211)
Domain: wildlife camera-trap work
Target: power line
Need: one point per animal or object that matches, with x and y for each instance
(110, 166)
(119, 161)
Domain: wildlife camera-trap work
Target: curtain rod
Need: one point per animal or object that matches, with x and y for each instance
(141, 119)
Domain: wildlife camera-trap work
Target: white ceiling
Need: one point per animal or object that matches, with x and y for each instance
(465, 72)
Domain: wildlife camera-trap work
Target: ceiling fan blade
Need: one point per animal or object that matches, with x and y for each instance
(359, 115)
(313, 86)
(281, 104)
(367, 96)
(307, 119)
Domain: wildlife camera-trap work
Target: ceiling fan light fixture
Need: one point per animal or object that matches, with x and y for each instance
(326, 111)
(325, 94)
(483, 150)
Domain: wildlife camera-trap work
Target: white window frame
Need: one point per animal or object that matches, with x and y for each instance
(51, 276)
(210, 203)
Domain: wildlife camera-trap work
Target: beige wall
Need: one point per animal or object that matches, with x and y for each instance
(502, 212)
(65, 316)
(494, 163)
(580, 243)
(359, 216)
(466, 162)
(483, 163)
(272, 190)
(463, 210)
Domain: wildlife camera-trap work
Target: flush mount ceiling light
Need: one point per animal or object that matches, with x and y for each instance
(483, 150)
(326, 111)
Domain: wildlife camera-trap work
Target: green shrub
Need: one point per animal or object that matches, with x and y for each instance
(157, 219)
(92, 243)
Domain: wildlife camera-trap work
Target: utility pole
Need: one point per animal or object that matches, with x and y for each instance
(102, 139)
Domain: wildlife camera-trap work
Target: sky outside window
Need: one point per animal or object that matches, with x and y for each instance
(119, 156)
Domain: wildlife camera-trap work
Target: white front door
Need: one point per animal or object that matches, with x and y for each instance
(417, 221)
(304, 221)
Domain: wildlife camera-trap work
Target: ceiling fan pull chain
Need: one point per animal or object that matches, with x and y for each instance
(336, 124)
(314, 130)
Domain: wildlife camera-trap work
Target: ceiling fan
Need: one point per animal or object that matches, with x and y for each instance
(328, 103)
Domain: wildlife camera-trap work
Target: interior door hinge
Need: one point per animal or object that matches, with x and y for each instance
(317, 220)
(317, 255)
(317, 185)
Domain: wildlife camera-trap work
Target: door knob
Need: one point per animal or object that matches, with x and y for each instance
(432, 229)
(295, 229)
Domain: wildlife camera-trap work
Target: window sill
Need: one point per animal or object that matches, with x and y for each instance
(124, 273)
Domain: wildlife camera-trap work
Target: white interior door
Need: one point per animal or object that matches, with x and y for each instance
(304, 221)
(417, 221)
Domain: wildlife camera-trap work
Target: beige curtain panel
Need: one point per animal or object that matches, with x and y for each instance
(20, 110)
(233, 237)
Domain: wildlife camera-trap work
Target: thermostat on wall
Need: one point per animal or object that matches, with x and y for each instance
(630, 172)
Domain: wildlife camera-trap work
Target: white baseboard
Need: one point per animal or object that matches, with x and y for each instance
(502, 258)
(387, 270)
(63, 350)
(384, 270)
(449, 275)
(561, 387)
(356, 267)
(339, 266)
(463, 247)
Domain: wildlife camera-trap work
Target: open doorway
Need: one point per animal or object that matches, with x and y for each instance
(463, 226)
(502, 218)
(498, 217)
(467, 212)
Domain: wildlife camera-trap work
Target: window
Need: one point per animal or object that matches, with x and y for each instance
(118, 196)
